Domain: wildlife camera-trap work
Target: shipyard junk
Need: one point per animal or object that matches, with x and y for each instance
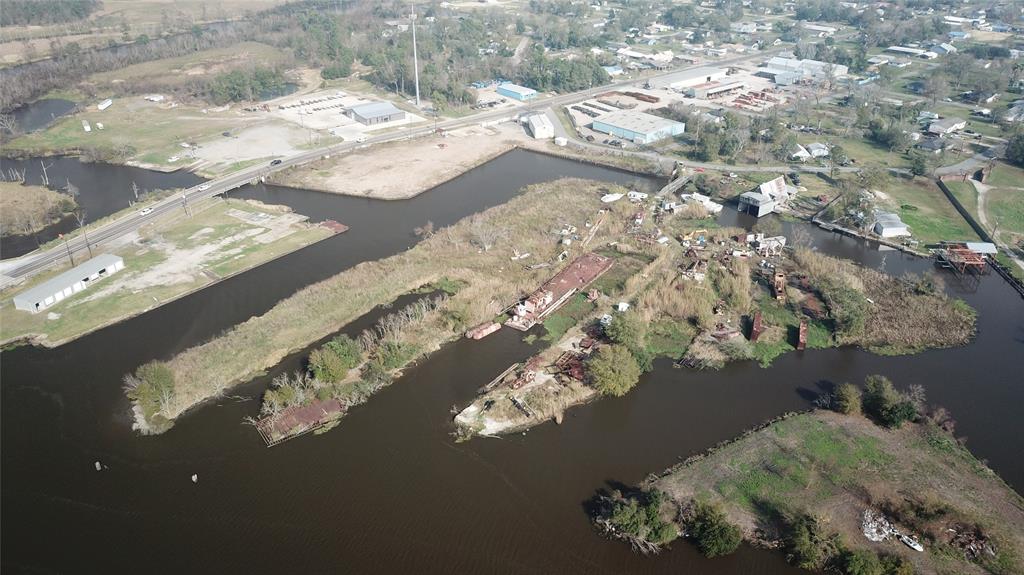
(557, 290)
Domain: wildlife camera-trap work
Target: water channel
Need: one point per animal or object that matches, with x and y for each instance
(102, 190)
(389, 491)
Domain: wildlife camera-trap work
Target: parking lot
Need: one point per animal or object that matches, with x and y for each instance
(325, 110)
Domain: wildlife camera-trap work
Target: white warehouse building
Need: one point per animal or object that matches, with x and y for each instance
(790, 70)
(540, 127)
(680, 81)
(76, 279)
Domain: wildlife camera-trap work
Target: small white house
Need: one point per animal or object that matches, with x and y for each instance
(635, 196)
(818, 150)
(946, 126)
(889, 225)
(800, 153)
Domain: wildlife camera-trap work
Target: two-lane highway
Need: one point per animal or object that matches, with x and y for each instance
(40, 260)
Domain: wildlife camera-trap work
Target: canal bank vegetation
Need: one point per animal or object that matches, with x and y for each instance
(476, 253)
(25, 210)
(834, 491)
(166, 259)
(704, 299)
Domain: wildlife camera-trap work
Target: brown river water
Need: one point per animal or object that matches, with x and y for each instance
(389, 491)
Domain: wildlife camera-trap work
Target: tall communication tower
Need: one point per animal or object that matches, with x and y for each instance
(415, 57)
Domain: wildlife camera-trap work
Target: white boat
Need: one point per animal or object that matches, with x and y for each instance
(609, 198)
(911, 542)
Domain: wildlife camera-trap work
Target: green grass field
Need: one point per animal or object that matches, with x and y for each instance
(1006, 207)
(931, 217)
(193, 252)
(130, 125)
(1005, 175)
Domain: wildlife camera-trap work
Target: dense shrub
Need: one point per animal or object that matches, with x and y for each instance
(805, 543)
(626, 329)
(239, 85)
(847, 306)
(847, 399)
(713, 533)
(886, 405)
(860, 562)
(613, 370)
(394, 354)
(333, 361)
(152, 387)
(640, 518)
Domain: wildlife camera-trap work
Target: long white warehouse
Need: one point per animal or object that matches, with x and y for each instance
(76, 279)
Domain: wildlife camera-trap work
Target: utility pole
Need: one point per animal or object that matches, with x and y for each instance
(415, 57)
(68, 248)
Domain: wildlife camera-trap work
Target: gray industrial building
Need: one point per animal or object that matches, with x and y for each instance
(375, 113)
(76, 279)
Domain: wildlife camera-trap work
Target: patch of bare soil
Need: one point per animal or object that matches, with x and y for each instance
(403, 170)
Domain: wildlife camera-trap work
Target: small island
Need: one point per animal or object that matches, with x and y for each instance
(703, 298)
(887, 492)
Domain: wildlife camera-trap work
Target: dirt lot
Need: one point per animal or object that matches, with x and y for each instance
(402, 170)
(164, 261)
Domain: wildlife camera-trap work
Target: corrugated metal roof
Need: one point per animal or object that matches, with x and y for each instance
(521, 90)
(68, 278)
(637, 122)
(375, 109)
(982, 247)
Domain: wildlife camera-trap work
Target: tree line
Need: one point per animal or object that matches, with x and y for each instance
(43, 12)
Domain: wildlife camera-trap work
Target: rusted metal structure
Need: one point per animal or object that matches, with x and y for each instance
(779, 286)
(801, 341)
(756, 327)
(483, 330)
(570, 364)
(556, 291)
(298, 420)
(960, 259)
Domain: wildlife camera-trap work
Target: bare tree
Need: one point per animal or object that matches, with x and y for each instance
(916, 395)
(79, 214)
(800, 237)
(46, 177)
(485, 234)
(71, 189)
(426, 230)
(129, 383)
(166, 398)
(8, 123)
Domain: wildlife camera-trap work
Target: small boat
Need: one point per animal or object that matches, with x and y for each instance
(609, 198)
(99, 466)
(911, 542)
(195, 478)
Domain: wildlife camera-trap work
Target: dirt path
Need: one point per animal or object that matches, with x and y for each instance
(983, 219)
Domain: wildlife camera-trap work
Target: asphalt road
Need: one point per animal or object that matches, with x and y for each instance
(39, 260)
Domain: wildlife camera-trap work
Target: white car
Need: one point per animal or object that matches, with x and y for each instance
(145, 211)
(360, 139)
(203, 187)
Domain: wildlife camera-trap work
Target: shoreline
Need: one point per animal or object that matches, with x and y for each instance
(314, 312)
(837, 469)
(41, 340)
